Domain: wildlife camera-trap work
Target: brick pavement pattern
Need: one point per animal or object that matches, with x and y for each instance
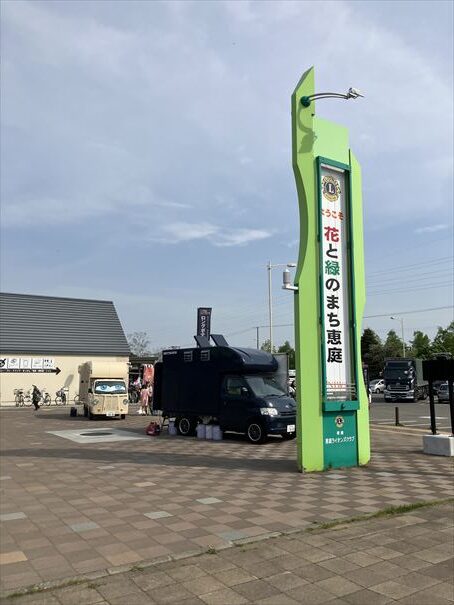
(406, 559)
(69, 508)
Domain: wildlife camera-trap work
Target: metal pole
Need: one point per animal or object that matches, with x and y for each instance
(403, 337)
(451, 404)
(433, 424)
(270, 306)
(258, 338)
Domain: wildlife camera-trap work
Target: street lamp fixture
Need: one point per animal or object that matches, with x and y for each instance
(270, 300)
(352, 93)
(402, 331)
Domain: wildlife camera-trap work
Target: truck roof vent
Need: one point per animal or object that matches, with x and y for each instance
(202, 342)
(219, 340)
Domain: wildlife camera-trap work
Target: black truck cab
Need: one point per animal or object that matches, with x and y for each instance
(236, 388)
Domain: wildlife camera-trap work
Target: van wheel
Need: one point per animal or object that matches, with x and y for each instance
(185, 426)
(256, 432)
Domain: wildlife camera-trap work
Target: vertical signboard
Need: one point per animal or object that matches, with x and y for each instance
(338, 351)
(204, 322)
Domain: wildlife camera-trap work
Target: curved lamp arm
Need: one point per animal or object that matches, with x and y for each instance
(352, 93)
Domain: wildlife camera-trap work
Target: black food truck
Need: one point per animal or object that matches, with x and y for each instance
(234, 387)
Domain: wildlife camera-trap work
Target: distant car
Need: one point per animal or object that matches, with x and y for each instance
(436, 385)
(443, 393)
(377, 385)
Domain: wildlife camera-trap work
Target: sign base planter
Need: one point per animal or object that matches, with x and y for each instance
(438, 445)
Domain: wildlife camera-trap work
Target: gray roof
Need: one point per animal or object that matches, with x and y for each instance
(67, 326)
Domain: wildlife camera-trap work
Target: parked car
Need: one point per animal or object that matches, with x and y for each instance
(443, 393)
(436, 386)
(377, 385)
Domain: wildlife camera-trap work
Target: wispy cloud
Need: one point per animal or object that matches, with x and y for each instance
(176, 233)
(432, 228)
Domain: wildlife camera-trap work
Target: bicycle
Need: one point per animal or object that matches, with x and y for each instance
(61, 396)
(22, 398)
(76, 399)
(45, 398)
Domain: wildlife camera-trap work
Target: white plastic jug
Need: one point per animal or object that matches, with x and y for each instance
(217, 433)
(201, 432)
(209, 431)
(172, 428)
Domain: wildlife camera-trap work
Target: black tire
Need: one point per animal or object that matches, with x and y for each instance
(185, 426)
(122, 416)
(255, 432)
(288, 436)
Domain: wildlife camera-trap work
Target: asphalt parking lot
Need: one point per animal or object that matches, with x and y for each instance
(74, 502)
(411, 414)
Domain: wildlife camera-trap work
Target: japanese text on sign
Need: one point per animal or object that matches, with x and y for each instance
(335, 281)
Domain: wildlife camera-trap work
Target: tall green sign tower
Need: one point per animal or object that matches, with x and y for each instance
(333, 415)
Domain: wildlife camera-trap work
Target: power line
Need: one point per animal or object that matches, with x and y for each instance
(433, 261)
(419, 276)
(431, 286)
(365, 317)
(409, 312)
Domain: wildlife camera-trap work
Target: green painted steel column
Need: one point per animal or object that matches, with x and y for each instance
(332, 418)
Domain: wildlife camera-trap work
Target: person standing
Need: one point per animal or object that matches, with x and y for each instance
(150, 398)
(144, 397)
(36, 397)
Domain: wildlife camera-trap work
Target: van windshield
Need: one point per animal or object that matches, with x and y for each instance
(264, 386)
(110, 387)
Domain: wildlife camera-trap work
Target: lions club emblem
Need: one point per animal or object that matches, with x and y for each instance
(339, 422)
(331, 188)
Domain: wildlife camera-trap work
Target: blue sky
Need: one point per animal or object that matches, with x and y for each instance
(146, 154)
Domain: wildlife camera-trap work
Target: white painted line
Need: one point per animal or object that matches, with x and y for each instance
(12, 516)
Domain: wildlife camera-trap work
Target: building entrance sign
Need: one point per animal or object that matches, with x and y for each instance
(329, 291)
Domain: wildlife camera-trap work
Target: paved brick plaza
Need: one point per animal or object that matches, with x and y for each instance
(405, 559)
(68, 508)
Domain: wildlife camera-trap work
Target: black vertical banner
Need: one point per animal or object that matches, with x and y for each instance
(204, 322)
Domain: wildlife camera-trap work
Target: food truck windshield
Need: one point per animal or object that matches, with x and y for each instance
(110, 387)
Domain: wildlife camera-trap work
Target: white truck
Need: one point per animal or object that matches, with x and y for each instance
(103, 388)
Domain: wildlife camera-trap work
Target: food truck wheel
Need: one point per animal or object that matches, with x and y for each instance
(256, 432)
(185, 426)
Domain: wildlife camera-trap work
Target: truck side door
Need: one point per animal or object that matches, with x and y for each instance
(234, 402)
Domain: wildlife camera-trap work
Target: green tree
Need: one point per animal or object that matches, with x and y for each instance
(443, 341)
(420, 345)
(393, 345)
(372, 352)
(139, 343)
(266, 346)
(287, 348)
